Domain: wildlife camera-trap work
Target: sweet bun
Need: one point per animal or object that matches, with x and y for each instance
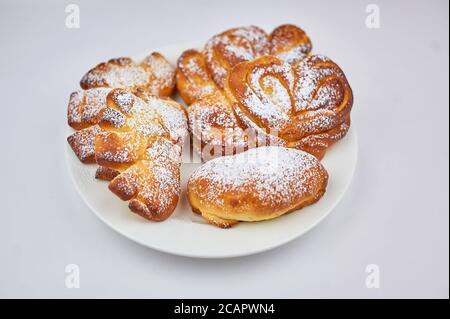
(152, 183)
(154, 75)
(259, 184)
(307, 105)
(140, 148)
(125, 123)
(137, 142)
(249, 89)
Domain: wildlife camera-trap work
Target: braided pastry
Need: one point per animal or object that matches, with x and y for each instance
(249, 89)
(134, 136)
(200, 73)
(260, 184)
(136, 141)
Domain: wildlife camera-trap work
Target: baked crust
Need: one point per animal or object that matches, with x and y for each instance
(134, 135)
(137, 141)
(152, 183)
(192, 77)
(259, 184)
(154, 75)
(82, 143)
(105, 173)
(268, 88)
(307, 104)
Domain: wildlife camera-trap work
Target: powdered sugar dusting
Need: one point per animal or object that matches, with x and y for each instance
(163, 149)
(276, 176)
(173, 119)
(287, 97)
(212, 122)
(83, 143)
(277, 93)
(192, 68)
(155, 75)
(290, 43)
(225, 50)
(294, 101)
(120, 125)
(113, 117)
(271, 102)
(152, 185)
(86, 106)
(295, 54)
(163, 74)
(160, 68)
(321, 84)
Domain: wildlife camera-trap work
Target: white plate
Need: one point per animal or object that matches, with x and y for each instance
(186, 234)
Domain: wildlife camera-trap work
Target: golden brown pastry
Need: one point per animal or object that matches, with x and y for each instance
(269, 102)
(152, 183)
(125, 124)
(154, 75)
(85, 107)
(217, 132)
(105, 173)
(260, 184)
(136, 140)
(249, 89)
(131, 123)
(192, 77)
(200, 73)
(82, 143)
(307, 105)
(225, 50)
(290, 43)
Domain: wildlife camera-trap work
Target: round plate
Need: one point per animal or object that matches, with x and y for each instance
(186, 233)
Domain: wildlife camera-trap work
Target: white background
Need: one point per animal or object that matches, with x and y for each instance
(395, 213)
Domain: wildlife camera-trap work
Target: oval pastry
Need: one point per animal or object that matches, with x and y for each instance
(259, 184)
